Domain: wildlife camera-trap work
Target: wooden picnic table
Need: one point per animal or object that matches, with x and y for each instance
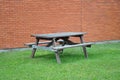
(59, 41)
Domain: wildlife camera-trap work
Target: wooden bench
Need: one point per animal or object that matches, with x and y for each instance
(53, 42)
(70, 46)
(44, 42)
(59, 48)
(33, 43)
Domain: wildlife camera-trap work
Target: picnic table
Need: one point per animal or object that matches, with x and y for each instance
(57, 42)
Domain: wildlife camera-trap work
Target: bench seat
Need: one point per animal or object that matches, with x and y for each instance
(33, 43)
(70, 46)
(45, 42)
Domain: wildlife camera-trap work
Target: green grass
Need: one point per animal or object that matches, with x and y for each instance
(103, 63)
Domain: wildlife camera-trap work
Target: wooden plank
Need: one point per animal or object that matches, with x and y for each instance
(33, 43)
(33, 52)
(58, 35)
(70, 46)
(84, 48)
(45, 42)
(57, 57)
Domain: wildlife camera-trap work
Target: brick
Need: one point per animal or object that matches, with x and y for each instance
(21, 18)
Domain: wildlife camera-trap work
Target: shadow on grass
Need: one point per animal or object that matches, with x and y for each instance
(73, 54)
(67, 57)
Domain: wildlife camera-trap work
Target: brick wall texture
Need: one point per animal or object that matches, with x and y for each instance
(21, 18)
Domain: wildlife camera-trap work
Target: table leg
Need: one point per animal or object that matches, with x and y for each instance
(33, 52)
(84, 48)
(85, 52)
(34, 48)
(57, 57)
(56, 52)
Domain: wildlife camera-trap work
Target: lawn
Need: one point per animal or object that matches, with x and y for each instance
(103, 63)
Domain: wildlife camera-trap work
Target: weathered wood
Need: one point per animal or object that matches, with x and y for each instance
(33, 43)
(45, 42)
(57, 57)
(33, 52)
(85, 52)
(70, 46)
(57, 35)
(57, 46)
(34, 49)
(84, 47)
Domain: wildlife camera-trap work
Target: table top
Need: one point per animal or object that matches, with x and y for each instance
(57, 35)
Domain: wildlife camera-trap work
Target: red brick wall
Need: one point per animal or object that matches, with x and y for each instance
(101, 19)
(20, 18)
